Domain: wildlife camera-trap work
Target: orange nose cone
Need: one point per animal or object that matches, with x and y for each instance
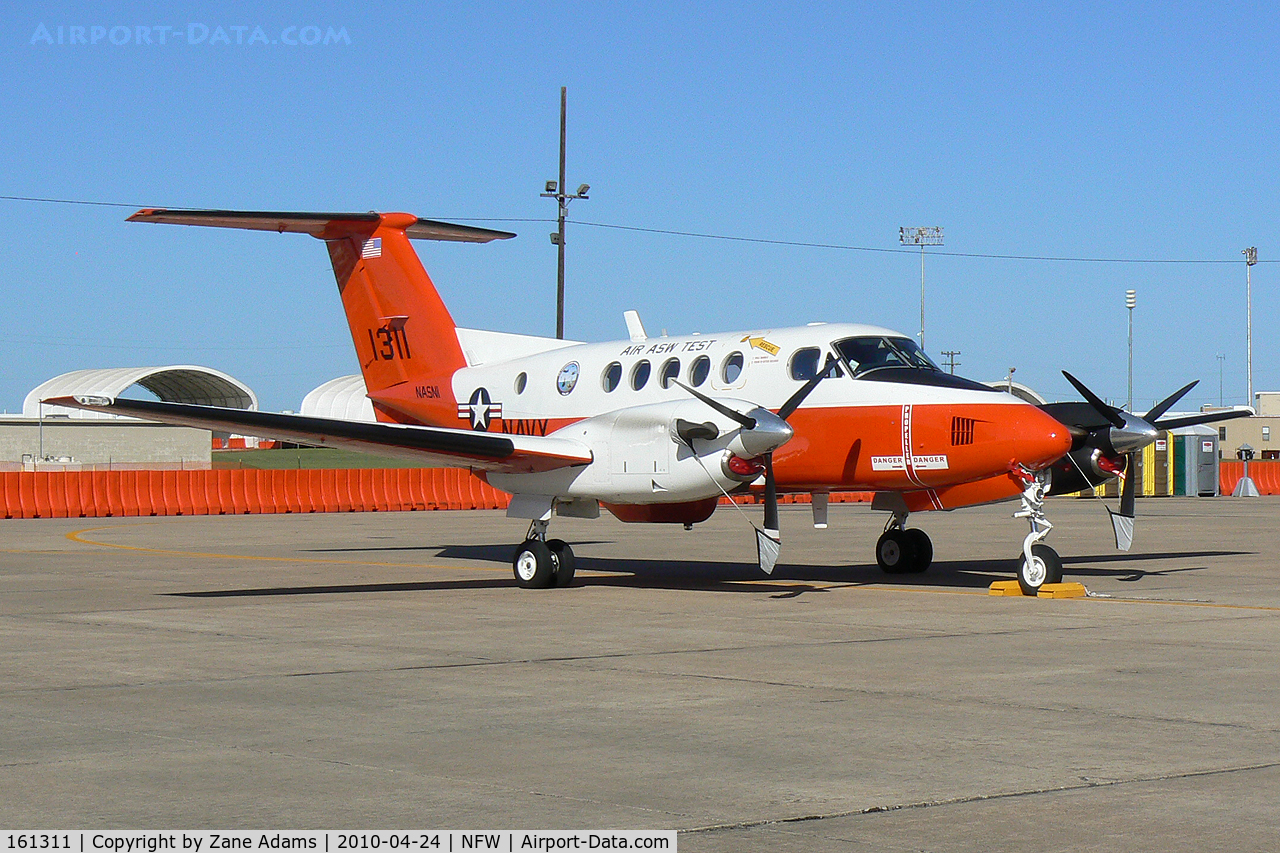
(1038, 439)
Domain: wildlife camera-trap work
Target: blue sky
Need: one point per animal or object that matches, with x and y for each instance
(1050, 130)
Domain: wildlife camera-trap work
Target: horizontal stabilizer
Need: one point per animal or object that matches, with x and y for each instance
(325, 226)
(430, 446)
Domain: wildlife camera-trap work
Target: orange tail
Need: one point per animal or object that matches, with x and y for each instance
(402, 331)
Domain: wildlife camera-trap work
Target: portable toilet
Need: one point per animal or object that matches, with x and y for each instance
(1195, 460)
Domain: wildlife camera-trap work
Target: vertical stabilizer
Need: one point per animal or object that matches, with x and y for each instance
(403, 333)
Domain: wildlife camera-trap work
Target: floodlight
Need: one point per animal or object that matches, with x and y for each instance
(552, 186)
(582, 190)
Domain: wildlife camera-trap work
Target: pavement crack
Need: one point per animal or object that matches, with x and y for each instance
(980, 798)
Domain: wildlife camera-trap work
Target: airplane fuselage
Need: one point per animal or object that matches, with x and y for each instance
(893, 427)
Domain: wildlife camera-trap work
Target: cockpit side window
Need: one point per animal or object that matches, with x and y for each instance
(804, 364)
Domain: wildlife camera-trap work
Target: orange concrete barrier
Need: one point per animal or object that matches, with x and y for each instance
(27, 497)
(92, 494)
(73, 484)
(43, 499)
(107, 493)
(129, 493)
(328, 499)
(9, 500)
(1264, 472)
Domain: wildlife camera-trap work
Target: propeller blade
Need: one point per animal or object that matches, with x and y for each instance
(770, 499)
(745, 421)
(1123, 526)
(794, 401)
(1164, 405)
(1122, 521)
(1108, 412)
(767, 550)
(1202, 418)
(1130, 490)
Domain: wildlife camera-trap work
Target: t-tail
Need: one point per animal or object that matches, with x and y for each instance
(404, 336)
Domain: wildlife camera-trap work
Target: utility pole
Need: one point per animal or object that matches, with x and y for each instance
(1221, 358)
(1250, 258)
(952, 364)
(922, 236)
(1130, 300)
(555, 189)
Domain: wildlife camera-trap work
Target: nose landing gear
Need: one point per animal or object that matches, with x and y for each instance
(1039, 564)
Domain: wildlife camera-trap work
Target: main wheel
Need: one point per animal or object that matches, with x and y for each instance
(923, 546)
(896, 551)
(1045, 567)
(534, 565)
(562, 554)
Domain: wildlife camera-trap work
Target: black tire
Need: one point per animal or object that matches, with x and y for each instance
(1047, 568)
(533, 565)
(895, 552)
(565, 563)
(923, 547)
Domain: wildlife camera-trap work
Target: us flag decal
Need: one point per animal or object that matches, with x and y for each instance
(371, 248)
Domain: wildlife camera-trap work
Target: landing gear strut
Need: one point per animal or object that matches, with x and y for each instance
(1038, 564)
(540, 562)
(902, 550)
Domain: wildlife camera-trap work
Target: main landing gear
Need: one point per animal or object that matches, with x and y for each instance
(540, 562)
(902, 550)
(1039, 564)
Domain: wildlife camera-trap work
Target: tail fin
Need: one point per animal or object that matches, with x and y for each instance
(402, 331)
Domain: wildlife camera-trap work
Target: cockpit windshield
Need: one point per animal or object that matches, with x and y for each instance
(872, 353)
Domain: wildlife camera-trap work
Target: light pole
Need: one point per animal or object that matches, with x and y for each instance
(1221, 359)
(921, 236)
(1250, 258)
(556, 190)
(1130, 300)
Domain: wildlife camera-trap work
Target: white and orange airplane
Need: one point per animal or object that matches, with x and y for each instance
(657, 429)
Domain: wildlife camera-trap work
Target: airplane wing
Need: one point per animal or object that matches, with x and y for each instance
(431, 446)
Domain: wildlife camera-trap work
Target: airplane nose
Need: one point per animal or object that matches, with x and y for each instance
(1040, 439)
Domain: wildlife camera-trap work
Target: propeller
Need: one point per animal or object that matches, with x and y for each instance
(1123, 436)
(768, 539)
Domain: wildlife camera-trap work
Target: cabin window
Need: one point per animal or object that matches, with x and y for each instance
(804, 364)
(611, 377)
(521, 381)
(699, 370)
(670, 370)
(732, 368)
(640, 374)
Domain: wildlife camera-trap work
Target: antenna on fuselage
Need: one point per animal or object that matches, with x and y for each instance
(635, 329)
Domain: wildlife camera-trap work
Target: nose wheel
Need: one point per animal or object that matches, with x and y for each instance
(1045, 566)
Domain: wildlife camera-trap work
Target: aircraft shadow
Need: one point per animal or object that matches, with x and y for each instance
(737, 577)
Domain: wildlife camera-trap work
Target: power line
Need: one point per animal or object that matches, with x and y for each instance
(900, 251)
(738, 239)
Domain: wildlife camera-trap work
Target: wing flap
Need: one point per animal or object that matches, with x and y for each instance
(455, 448)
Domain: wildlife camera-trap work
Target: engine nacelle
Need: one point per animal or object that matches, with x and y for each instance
(670, 452)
